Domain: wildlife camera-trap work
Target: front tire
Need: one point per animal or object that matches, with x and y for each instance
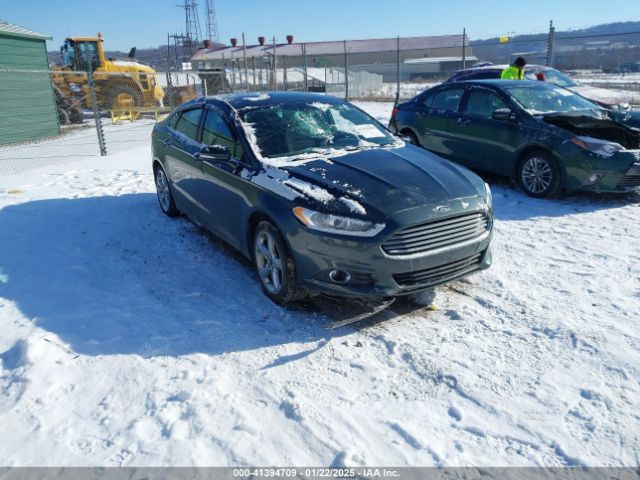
(165, 196)
(539, 174)
(413, 139)
(274, 265)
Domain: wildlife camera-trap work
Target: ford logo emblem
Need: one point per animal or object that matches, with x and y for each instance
(441, 209)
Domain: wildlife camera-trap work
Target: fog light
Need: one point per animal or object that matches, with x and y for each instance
(339, 276)
(593, 178)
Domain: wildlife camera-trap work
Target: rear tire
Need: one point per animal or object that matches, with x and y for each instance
(165, 196)
(413, 139)
(539, 174)
(274, 265)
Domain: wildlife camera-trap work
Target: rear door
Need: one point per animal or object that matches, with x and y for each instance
(436, 114)
(486, 144)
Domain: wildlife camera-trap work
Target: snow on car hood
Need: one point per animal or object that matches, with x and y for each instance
(388, 180)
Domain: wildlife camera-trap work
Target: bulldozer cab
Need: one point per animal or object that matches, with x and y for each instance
(81, 54)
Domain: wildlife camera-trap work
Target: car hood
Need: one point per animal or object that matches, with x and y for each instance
(390, 180)
(603, 127)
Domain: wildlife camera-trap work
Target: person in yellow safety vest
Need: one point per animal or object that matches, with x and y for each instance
(515, 71)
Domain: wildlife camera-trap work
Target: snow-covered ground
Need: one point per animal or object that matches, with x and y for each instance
(128, 338)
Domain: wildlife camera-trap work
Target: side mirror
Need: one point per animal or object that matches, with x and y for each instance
(214, 152)
(503, 114)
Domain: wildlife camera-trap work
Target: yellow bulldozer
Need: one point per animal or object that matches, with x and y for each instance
(118, 83)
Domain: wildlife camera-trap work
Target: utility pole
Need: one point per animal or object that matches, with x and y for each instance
(552, 32)
(212, 23)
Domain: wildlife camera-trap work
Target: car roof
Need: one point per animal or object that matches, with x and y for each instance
(501, 67)
(255, 99)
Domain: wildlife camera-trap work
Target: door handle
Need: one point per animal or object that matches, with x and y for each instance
(463, 122)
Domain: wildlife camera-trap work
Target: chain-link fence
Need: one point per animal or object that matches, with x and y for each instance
(60, 115)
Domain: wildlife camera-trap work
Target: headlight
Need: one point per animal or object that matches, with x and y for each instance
(488, 195)
(326, 222)
(595, 145)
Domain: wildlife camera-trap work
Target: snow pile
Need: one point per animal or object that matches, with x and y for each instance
(129, 338)
(353, 205)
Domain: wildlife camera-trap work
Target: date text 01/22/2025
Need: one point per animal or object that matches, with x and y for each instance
(315, 472)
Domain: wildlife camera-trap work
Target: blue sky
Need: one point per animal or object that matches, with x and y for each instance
(145, 23)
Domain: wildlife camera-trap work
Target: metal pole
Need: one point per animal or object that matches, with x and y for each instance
(284, 69)
(398, 71)
(304, 67)
(275, 71)
(552, 32)
(96, 110)
(253, 67)
(464, 48)
(246, 71)
(346, 72)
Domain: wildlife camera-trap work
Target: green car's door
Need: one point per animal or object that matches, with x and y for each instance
(435, 120)
(490, 132)
(225, 181)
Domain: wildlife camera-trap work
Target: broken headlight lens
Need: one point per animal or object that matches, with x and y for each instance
(597, 146)
(326, 222)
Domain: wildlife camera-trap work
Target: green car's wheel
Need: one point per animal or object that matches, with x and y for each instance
(165, 197)
(274, 265)
(539, 174)
(413, 140)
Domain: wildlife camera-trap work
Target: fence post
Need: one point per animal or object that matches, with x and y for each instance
(96, 110)
(397, 71)
(304, 67)
(275, 69)
(284, 72)
(464, 48)
(550, 39)
(246, 70)
(346, 72)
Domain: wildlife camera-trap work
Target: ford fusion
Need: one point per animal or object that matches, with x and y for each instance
(545, 136)
(320, 196)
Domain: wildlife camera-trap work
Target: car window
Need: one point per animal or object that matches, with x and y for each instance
(291, 129)
(483, 103)
(188, 123)
(546, 98)
(447, 99)
(215, 127)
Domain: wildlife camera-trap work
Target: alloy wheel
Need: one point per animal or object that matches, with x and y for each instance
(269, 262)
(537, 175)
(162, 187)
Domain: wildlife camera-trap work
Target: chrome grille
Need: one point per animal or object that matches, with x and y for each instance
(438, 274)
(437, 234)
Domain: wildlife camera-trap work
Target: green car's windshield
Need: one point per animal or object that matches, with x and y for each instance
(545, 98)
(297, 128)
(552, 76)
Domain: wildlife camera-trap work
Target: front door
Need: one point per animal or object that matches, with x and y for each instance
(225, 188)
(488, 144)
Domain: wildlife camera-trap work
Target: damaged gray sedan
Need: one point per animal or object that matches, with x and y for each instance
(545, 136)
(320, 196)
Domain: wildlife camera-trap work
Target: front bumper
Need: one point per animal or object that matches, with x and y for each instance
(374, 273)
(619, 173)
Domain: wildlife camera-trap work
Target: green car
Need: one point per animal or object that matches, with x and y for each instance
(547, 137)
